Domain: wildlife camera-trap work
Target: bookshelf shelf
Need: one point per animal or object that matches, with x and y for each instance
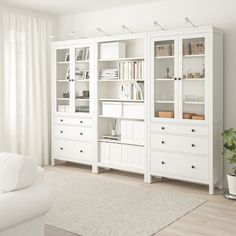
(82, 61)
(194, 103)
(170, 102)
(118, 141)
(121, 80)
(194, 79)
(193, 56)
(119, 100)
(123, 59)
(82, 80)
(63, 62)
(164, 79)
(63, 81)
(165, 57)
(63, 99)
(82, 99)
(120, 117)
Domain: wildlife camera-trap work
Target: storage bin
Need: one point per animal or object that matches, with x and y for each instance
(112, 50)
(165, 114)
(112, 109)
(163, 50)
(197, 48)
(133, 110)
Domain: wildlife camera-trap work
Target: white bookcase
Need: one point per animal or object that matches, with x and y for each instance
(147, 103)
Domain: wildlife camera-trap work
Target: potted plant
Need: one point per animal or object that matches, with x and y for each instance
(229, 137)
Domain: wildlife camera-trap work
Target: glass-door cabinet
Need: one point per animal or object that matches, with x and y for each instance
(72, 82)
(178, 78)
(164, 65)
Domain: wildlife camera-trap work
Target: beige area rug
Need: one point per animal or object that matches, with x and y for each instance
(97, 205)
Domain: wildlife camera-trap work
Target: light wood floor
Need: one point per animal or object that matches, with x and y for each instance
(216, 217)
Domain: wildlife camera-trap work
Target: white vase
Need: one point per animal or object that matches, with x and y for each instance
(113, 132)
(232, 184)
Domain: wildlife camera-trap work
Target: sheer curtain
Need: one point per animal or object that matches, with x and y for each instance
(25, 85)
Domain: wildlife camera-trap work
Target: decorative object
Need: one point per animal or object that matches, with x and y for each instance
(165, 114)
(167, 73)
(113, 131)
(86, 75)
(203, 71)
(67, 77)
(66, 95)
(229, 137)
(84, 109)
(87, 54)
(85, 94)
(112, 50)
(80, 54)
(79, 74)
(197, 75)
(190, 74)
(190, 98)
(67, 57)
(187, 115)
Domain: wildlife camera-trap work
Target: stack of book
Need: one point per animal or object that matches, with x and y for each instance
(109, 74)
(132, 91)
(131, 70)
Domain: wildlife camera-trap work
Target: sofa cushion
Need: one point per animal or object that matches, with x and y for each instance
(16, 172)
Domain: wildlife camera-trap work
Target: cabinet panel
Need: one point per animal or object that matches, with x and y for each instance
(138, 132)
(180, 143)
(104, 152)
(72, 121)
(72, 150)
(179, 129)
(115, 154)
(179, 165)
(72, 132)
(126, 131)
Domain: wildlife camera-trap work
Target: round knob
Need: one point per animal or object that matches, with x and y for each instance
(179, 78)
(81, 151)
(193, 145)
(193, 130)
(61, 148)
(72, 80)
(61, 132)
(193, 167)
(162, 162)
(175, 78)
(81, 122)
(61, 120)
(81, 133)
(162, 142)
(162, 127)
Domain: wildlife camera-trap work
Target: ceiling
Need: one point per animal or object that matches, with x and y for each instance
(64, 7)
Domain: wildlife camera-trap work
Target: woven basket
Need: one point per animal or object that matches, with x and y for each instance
(163, 50)
(197, 48)
(187, 49)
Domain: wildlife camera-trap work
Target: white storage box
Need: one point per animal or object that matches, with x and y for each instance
(133, 110)
(112, 109)
(112, 50)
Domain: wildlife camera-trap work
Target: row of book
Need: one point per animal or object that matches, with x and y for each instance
(109, 73)
(131, 70)
(132, 91)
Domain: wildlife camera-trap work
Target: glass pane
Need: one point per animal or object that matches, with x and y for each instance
(194, 79)
(164, 79)
(62, 77)
(82, 80)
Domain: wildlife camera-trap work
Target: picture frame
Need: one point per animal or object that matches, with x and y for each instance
(87, 54)
(67, 77)
(67, 57)
(86, 75)
(80, 54)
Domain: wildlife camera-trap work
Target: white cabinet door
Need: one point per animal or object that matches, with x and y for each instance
(115, 154)
(138, 132)
(126, 131)
(104, 156)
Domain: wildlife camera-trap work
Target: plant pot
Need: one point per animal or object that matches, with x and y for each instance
(232, 184)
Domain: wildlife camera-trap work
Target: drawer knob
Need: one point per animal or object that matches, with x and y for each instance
(162, 127)
(81, 151)
(175, 78)
(163, 142)
(193, 167)
(179, 78)
(193, 130)
(81, 122)
(61, 132)
(81, 133)
(61, 120)
(163, 163)
(61, 148)
(193, 145)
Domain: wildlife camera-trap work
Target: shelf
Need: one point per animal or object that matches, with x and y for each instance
(163, 79)
(82, 80)
(63, 62)
(194, 103)
(63, 99)
(120, 117)
(82, 99)
(120, 100)
(195, 55)
(84, 61)
(121, 80)
(164, 57)
(170, 102)
(63, 80)
(123, 59)
(194, 79)
(118, 141)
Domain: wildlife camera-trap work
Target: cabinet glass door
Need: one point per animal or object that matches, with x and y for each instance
(82, 79)
(63, 80)
(193, 78)
(164, 79)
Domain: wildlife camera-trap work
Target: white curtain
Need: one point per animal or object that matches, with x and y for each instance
(25, 85)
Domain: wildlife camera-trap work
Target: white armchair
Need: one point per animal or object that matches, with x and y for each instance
(23, 206)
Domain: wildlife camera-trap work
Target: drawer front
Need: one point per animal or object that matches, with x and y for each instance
(180, 129)
(72, 121)
(193, 145)
(180, 165)
(133, 110)
(72, 150)
(72, 132)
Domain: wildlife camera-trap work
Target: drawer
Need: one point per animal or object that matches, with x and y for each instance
(177, 165)
(193, 145)
(72, 132)
(112, 109)
(72, 150)
(180, 129)
(72, 121)
(133, 110)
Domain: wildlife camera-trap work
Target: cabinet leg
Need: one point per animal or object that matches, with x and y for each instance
(211, 189)
(52, 162)
(148, 179)
(95, 170)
